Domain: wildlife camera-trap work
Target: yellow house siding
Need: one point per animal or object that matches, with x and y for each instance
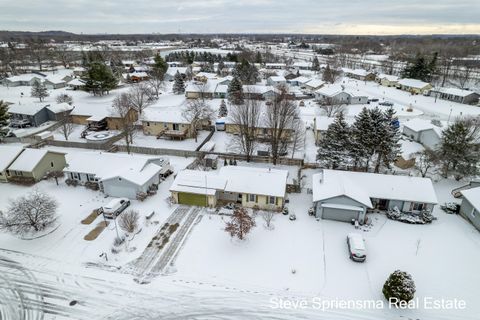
(45, 165)
(261, 202)
(154, 128)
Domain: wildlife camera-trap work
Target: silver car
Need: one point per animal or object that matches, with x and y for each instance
(356, 247)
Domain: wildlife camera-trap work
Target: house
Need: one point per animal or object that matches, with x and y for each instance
(276, 81)
(387, 80)
(413, 86)
(299, 81)
(470, 208)
(8, 154)
(346, 195)
(129, 176)
(205, 76)
(92, 114)
(423, 131)
(313, 85)
(232, 184)
(138, 76)
(27, 79)
(172, 71)
(76, 84)
(56, 81)
(79, 71)
(166, 122)
(259, 92)
(359, 74)
(275, 66)
(302, 65)
(337, 94)
(32, 114)
(58, 111)
(33, 164)
(455, 95)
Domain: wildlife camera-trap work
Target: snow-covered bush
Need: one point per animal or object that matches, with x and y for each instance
(399, 287)
(410, 217)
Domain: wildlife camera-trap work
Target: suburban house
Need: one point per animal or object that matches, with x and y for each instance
(32, 114)
(455, 95)
(298, 81)
(33, 164)
(92, 114)
(347, 195)
(470, 208)
(232, 184)
(359, 74)
(336, 94)
(258, 92)
(413, 86)
(27, 79)
(172, 71)
(205, 76)
(387, 80)
(276, 81)
(216, 88)
(56, 81)
(313, 85)
(303, 65)
(138, 76)
(166, 122)
(275, 66)
(8, 154)
(117, 175)
(58, 111)
(79, 71)
(76, 84)
(423, 131)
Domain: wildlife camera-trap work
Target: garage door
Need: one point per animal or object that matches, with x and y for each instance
(192, 199)
(339, 214)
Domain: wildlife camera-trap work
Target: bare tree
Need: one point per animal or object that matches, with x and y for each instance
(240, 224)
(156, 85)
(67, 125)
(197, 112)
(33, 212)
(140, 96)
(128, 221)
(297, 137)
(425, 161)
(463, 75)
(122, 109)
(245, 118)
(268, 217)
(332, 107)
(280, 117)
(64, 98)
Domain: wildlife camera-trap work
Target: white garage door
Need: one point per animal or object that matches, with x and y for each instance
(339, 214)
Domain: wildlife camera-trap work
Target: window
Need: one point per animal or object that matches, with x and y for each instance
(271, 200)
(418, 206)
(474, 213)
(51, 164)
(148, 124)
(252, 198)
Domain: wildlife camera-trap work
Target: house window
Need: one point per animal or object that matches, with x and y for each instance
(418, 206)
(252, 198)
(76, 176)
(51, 164)
(271, 200)
(474, 213)
(165, 125)
(148, 124)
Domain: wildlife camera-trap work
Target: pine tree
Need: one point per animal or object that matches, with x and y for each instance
(258, 57)
(39, 90)
(220, 68)
(315, 64)
(334, 148)
(246, 72)
(4, 116)
(222, 111)
(390, 147)
(235, 91)
(399, 287)
(159, 67)
(179, 84)
(99, 78)
(362, 143)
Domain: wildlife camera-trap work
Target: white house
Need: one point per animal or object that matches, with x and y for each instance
(387, 80)
(470, 208)
(346, 195)
(423, 131)
(337, 94)
(116, 175)
(22, 80)
(276, 81)
(455, 95)
(413, 85)
(313, 85)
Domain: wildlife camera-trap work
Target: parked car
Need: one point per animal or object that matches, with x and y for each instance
(386, 103)
(356, 247)
(373, 100)
(116, 206)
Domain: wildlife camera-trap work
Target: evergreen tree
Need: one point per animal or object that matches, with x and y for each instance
(4, 116)
(258, 57)
(458, 148)
(159, 67)
(178, 84)
(363, 143)
(207, 67)
(246, 72)
(389, 146)
(39, 90)
(399, 287)
(99, 78)
(315, 64)
(235, 91)
(334, 147)
(420, 68)
(220, 68)
(223, 111)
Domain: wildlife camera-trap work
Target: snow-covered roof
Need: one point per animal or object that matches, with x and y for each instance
(413, 83)
(7, 155)
(278, 78)
(60, 107)
(315, 83)
(29, 159)
(55, 79)
(109, 165)
(302, 64)
(388, 77)
(254, 88)
(330, 90)
(140, 74)
(455, 92)
(164, 114)
(208, 75)
(358, 72)
(473, 196)
(138, 177)
(361, 186)
(300, 79)
(29, 109)
(418, 125)
(198, 182)
(76, 82)
(25, 77)
(173, 70)
(261, 181)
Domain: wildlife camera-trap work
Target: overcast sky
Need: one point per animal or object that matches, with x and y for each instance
(243, 16)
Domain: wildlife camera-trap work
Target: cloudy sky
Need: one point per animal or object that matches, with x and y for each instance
(243, 16)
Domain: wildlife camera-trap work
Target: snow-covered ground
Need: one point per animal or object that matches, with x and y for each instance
(143, 140)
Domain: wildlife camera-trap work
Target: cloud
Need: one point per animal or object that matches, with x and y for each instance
(243, 16)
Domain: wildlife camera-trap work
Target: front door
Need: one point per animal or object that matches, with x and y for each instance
(383, 204)
(176, 127)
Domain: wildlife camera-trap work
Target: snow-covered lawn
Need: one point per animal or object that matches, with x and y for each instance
(442, 266)
(142, 140)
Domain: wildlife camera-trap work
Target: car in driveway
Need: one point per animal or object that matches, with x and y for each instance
(386, 104)
(356, 247)
(116, 206)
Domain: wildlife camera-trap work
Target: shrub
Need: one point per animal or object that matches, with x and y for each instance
(399, 287)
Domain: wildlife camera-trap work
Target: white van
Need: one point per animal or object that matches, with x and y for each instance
(112, 209)
(356, 247)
